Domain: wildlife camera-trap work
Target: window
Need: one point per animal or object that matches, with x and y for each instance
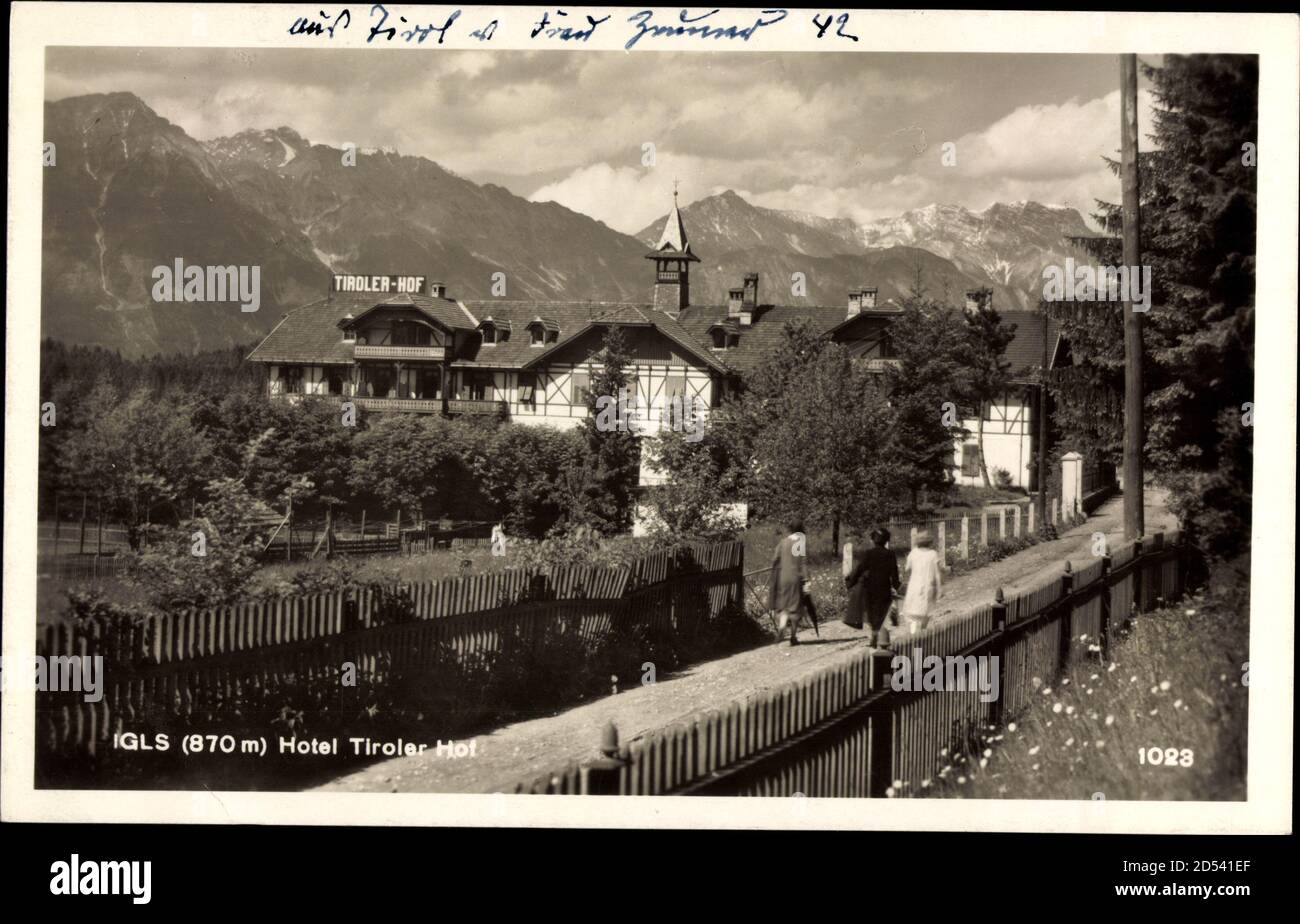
(489, 335)
(476, 386)
(719, 339)
(428, 384)
(733, 341)
(970, 460)
(406, 333)
(334, 379)
(536, 334)
(552, 336)
(349, 334)
(580, 387)
(528, 389)
(292, 376)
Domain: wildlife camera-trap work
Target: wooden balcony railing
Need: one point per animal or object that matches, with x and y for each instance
(367, 351)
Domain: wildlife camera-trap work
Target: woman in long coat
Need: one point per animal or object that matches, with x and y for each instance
(872, 583)
(788, 585)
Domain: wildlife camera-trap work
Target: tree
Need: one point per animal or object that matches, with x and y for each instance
(988, 371)
(606, 486)
(690, 505)
(810, 440)
(206, 561)
(927, 391)
(134, 455)
(1198, 200)
(417, 464)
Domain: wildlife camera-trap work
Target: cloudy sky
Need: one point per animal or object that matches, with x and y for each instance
(838, 135)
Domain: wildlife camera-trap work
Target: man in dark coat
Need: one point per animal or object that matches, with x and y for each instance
(872, 584)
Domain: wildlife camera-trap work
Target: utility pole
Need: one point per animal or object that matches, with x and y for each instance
(1041, 502)
(1134, 432)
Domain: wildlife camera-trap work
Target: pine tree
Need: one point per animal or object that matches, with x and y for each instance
(989, 371)
(1198, 207)
(606, 494)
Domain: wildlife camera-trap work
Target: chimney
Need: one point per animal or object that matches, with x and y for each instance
(974, 299)
(735, 299)
(855, 302)
(868, 298)
(749, 300)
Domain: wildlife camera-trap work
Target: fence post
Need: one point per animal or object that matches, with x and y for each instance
(880, 748)
(81, 540)
(1015, 521)
(1067, 617)
(601, 776)
(99, 533)
(984, 528)
(943, 540)
(1056, 511)
(1030, 528)
(1002, 524)
(965, 538)
(996, 709)
(1104, 641)
(911, 542)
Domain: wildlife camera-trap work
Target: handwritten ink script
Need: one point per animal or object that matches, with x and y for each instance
(697, 26)
(385, 25)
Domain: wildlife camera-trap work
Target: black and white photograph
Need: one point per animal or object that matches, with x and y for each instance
(849, 410)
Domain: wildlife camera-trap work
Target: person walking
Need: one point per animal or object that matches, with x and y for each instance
(872, 583)
(924, 582)
(788, 585)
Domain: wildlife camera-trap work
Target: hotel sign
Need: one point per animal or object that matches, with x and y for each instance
(380, 285)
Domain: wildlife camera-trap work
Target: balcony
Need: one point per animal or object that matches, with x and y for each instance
(481, 408)
(880, 365)
(368, 351)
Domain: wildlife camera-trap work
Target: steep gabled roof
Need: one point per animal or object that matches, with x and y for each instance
(1025, 351)
(762, 337)
(673, 242)
(311, 334)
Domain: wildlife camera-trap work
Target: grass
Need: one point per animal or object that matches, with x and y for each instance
(1175, 684)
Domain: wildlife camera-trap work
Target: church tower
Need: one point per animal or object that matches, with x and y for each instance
(673, 259)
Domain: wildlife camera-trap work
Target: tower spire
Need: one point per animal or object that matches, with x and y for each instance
(673, 258)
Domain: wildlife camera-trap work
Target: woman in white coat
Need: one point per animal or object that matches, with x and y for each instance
(924, 582)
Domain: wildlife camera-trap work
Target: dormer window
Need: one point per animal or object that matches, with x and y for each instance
(349, 335)
(494, 331)
(542, 331)
(724, 338)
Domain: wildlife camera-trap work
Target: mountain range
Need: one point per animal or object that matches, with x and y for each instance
(130, 191)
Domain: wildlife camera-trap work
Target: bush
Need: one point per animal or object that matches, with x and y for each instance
(1002, 478)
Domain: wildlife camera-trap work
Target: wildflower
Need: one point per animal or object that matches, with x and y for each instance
(1084, 637)
(1100, 743)
(984, 761)
(988, 752)
(1110, 720)
(943, 753)
(1094, 648)
(1133, 679)
(1065, 681)
(1153, 712)
(1011, 726)
(1069, 741)
(1069, 710)
(1190, 612)
(1037, 682)
(898, 784)
(1177, 703)
(890, 792)
(1112, 667)
(1049, 724)
(1047, 691)
(1089, 691)
(1093, 677)
(1155, 689)
(961, 779)
(1165, 685)
(1056, 708)
(1034, 767)
(925, 783)
(1033, 750)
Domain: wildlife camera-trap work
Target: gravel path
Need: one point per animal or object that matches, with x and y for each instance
(528, 749)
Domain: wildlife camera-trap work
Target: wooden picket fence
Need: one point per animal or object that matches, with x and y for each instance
(206, 666)
(844, 731)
